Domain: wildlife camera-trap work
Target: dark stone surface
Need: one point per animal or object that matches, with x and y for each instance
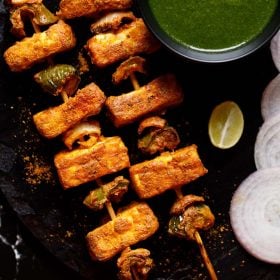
(22, 256)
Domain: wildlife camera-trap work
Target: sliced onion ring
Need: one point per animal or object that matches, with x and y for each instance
(275, 50)
(267, 146)
(255, 214)
(270, 104)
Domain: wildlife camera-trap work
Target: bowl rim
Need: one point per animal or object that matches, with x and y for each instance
(209, 57)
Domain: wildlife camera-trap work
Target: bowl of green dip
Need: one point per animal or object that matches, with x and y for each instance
(212, 30)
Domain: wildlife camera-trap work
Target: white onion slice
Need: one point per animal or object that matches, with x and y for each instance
(255, 214)
(79, 131)
(270, 104)
(267, 146)
(275, 50)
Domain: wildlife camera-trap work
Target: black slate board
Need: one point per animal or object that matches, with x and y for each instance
(58, 219)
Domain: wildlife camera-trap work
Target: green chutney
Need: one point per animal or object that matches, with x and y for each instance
(213, 25)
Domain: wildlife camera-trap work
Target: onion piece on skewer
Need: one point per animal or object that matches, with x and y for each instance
(254, 214)
(270, 104)
(85, 134)
(267, 148)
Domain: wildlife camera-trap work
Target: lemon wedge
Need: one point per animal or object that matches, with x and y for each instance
(225, 125)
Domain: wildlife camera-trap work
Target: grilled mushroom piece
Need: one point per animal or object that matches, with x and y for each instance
(36, 12)
(183, 203)
(194, 216)
(128, 68)
(160, 136)
(133, 262)
(113, 192)
(151, 122)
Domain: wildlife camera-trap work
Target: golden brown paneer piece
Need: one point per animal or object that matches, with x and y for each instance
(80, 166)
(24, 54)
(57, 120)
(78, 8)
(23, 2)
(131, 39)
(134, 224)
(170, 170)
(160, 94)
(111, 21)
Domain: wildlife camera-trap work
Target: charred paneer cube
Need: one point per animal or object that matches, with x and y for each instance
(162, 93)
(57, 120)
(135, 223)
(170, 170)
(131, 39)
(81, 166)
(31, 50)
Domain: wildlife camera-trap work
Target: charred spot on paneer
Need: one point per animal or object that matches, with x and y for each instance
(135, 223)
(79, 8)
(57, 120)
(168, 171)
(80, 166)
(162, 93)
(31, 50)
(131, 39)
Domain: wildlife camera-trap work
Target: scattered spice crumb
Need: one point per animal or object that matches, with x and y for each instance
(36, 171)
(68, 234)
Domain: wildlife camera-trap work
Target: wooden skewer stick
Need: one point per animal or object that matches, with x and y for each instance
(112, 215)
(108, 204)
(135, 275)
(64, 96)
(179, 193)
(35, 26)
(205, 257)
(201, 246)
(134, 81)
(50, 61)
